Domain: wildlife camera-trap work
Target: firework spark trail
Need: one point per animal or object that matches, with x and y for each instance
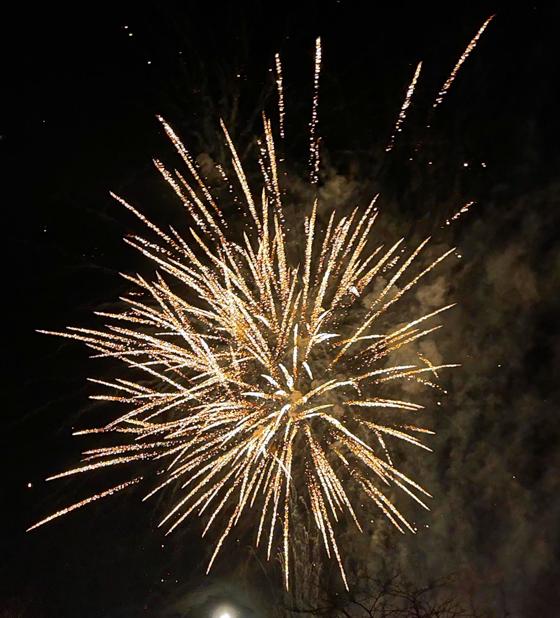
(281, 100)
(463, 210)
(78, 505)
(449, 81)
(406, 104)
(313, 139)
(236, 386)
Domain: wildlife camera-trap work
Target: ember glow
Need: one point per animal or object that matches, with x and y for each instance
(255, 368)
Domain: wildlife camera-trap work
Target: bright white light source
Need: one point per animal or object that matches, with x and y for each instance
(225, 610)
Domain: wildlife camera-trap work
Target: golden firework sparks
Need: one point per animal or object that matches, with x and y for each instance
(406, 104)
(78, 505)
(314, 159)
(470, 47)
(463, 210)
(251, 377)
(280, 90)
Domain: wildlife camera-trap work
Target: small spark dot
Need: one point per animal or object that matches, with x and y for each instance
(29, 485)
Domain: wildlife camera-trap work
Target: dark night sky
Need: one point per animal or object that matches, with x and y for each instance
(80, 97)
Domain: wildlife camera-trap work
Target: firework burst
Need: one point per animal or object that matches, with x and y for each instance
(263, 371)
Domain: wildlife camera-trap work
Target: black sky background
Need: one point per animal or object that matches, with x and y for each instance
(80, 97)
